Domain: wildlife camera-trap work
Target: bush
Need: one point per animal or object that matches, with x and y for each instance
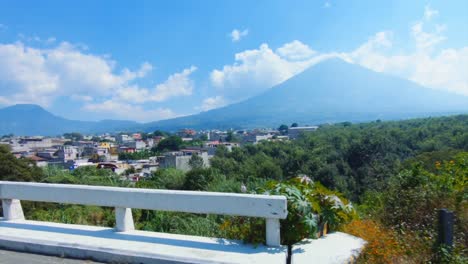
(310, 207)
(382, 245)
(170, 178)
(199, 179)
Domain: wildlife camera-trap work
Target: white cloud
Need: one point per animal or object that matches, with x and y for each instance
(83, 98)
(295, 50)
(425, 40)
(37, 75)
(212, 103)
(237, 35)
(178, 84)
(445, 69)
(429, 12)
(257, 70)
(129, 111)
(50, 40)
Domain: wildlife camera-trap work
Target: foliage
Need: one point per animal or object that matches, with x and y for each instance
(89, 175)
(171, 143)
(231, 137)
(310, 207)
(409, 205)
(169, 178)
(196, 162)
(283, 129)
(144, 154)
(352, 158)
(74, 136)
(159, 133)
(13, 169)
(198, 179)
(382, 245)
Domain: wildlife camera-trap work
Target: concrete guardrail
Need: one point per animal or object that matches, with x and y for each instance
(272, 208)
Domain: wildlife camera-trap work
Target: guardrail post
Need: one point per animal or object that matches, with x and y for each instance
(12, 209)
(445, 228)
(273, 232)
(123, 219)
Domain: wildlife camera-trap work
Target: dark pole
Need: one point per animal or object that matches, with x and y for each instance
(445, 228)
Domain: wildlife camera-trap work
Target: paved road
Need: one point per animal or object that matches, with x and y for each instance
(11, 257)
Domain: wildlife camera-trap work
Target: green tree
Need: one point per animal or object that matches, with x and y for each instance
(231, 137)
(172, 143)
(283, 129)
(204, 137)
(159, 133)
(196, 162)
(198, 179)
(14, 169)
(170, 178)
(74, 136)
(294, 125)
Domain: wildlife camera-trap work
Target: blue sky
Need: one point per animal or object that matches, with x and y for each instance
(151, 60)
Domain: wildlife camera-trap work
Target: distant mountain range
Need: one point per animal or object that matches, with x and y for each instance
(27, 119)
(331, 91)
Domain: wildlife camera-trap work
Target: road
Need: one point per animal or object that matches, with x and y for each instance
(11, 257)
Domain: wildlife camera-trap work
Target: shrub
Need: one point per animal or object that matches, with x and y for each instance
(382, 245)
(310, 207)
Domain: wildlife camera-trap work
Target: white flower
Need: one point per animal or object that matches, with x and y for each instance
(243, 188)
(305, 179)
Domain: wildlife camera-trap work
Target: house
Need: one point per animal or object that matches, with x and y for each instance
(66, 153)
(212, 146)
(124, 138)
(137, 145)
(36, 142)
(186, 133)
(255, 137)
(40, 162)
(180, 159)
(295, 132)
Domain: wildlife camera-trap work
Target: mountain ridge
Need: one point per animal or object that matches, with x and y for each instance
(328, 92)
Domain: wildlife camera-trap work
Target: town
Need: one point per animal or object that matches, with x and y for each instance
(135, 156)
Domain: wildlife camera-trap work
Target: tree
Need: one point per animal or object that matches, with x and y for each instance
(196, 162)
(204, 137)
(159, 133)
(198, 179)
(74, 136)
(171, 143)
(294, 125)
(231, 137)
(13, 169)
(283, 129)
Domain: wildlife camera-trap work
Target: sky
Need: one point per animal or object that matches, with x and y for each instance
(153, 60)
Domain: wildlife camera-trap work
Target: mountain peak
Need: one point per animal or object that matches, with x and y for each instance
(25, 107)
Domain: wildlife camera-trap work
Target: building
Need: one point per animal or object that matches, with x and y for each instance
(212, 146)
(180, 159)
(254, 138)
(186, 133)
(66, 153)
(295, 132)
(124, 138)
(36, 142)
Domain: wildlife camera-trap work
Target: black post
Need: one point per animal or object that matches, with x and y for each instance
(445, 228)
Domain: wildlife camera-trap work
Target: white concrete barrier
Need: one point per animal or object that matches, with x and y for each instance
(273, 208)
